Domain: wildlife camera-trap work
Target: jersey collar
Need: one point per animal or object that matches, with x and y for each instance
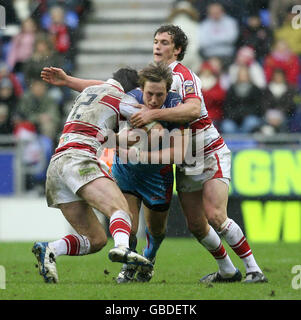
(115, 84)
(173, 64)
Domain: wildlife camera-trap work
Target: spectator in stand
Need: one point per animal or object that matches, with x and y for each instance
(213, 93)
(289, 34)
(278, 10)
(246, 57)
(41, 109)
(36, 153)
(17, 85)
(62, 37)
(282, 57)
(242, 107)
(274, 122)
(186, 17)
(221, 72)
(256, 36)
(217, 34)
(43, 55)
(71, 17)
(236, 9)
(22, 45)
(59, 30)
(279, 96)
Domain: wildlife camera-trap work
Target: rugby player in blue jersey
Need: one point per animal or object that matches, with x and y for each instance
(150, 185)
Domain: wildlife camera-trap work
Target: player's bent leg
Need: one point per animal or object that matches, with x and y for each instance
(194, 212)
(90, 238)
(104, 195)
(197, 223)
(215, 198)
(85, 222)
(128, 271)
(156, 222)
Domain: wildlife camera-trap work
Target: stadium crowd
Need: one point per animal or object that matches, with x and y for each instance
(37, 33)
(246, 53)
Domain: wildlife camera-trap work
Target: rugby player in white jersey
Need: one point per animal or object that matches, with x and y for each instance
(149, 185)
(203, 191)
(77, 182)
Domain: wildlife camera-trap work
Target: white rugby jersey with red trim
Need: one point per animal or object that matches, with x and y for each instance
(95, 111)
(188, 85)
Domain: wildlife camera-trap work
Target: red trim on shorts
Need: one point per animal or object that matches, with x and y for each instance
(104, 172)
(214, 146)
(219, 172)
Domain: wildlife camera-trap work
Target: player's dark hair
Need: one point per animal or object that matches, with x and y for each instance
(156, 72)
(127, 77)
(178, 36)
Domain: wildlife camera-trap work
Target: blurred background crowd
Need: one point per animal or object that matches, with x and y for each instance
(38, 33)
(246, 53)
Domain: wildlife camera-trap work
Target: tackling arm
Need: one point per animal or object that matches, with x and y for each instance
(183, 113)
(58, 77)
(173, 149)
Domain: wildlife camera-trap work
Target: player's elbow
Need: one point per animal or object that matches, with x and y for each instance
(193, 109)
(195, 112)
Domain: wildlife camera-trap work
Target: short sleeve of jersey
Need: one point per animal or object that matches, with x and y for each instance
(127, 106)
(186, 83)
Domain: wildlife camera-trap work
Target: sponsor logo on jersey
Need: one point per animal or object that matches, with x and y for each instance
(188, 87)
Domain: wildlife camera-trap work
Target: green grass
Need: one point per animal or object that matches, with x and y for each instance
(180, 264)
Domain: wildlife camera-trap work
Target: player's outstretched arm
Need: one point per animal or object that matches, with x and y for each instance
(58, 77)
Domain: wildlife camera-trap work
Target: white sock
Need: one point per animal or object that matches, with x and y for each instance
(234, 236)
(213, 244)
(73, 245)
(120, 228)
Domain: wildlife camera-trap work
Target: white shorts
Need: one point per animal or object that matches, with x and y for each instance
(67, 173)
(217, 165)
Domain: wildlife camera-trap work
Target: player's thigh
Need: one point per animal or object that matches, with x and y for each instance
(193, 210)
(104, 195)
(156, 221)
(215, 200)
(134, 204)
(84, 221)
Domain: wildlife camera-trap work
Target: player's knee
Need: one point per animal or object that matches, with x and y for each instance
(199, 230)
(156, 230)
(216, 217)
(98, 243)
